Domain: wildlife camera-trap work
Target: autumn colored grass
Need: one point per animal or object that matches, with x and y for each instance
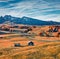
(44, 47)
(46, 51)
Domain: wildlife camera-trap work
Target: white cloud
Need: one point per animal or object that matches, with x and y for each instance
(5, 0)
(34, 9)
(53, 17)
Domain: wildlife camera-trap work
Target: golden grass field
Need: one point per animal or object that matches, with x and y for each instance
(41, 50)
(44, 47)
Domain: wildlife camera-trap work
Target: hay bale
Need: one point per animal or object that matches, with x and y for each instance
(17, 45)
(30, 43)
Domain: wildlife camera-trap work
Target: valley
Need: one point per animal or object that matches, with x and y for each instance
(15, 42)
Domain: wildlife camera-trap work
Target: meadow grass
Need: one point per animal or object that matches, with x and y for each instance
(47, 51)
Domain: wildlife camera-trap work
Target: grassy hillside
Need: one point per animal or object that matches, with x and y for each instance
(45, 51)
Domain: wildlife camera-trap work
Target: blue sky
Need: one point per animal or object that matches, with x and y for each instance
(40, 9)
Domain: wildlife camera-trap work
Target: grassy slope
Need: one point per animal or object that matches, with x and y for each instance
(45, 51)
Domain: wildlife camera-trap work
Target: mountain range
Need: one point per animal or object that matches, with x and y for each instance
(26, 20)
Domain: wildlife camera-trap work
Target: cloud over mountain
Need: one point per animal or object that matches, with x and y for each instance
(39, 9)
